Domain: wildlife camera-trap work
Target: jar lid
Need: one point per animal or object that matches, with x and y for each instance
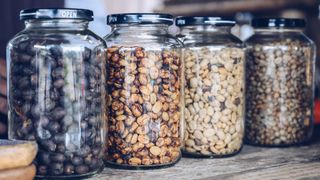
(204, 20)
(56, 13)
(278, 23)
(140, 18)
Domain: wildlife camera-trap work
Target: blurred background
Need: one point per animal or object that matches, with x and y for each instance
(242, 10)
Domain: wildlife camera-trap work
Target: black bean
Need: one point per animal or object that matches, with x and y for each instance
(49, 145)
(95, 164)
(59, 138)
(43, 121)
(16, 93)
(58, 113)
(59, 83)
(44, 158)
(69, 155)
(17, 69)
(58, 157)
(42, 133)
(60, 62)
(28, 70)
(88, 160)
(92, 121)
(56, 168)
(35, 111)
(82, 169)
(42, 170)
(84, 151)
(23, 83)
(54, 94)
(28, 95)
(24, 58)
(77, 160)
(67, 120)
(23, 45)
(96, 151)
(56, 51)
(58, 73)
(54, 127)
(68, 169)
(61, 148)
(88, 135)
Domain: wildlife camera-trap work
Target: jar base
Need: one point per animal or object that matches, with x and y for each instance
(141, 167)
(211, 156)
(77, 176)
(298, 144)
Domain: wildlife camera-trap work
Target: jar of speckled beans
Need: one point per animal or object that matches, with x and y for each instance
(280, 83)
(144, 87)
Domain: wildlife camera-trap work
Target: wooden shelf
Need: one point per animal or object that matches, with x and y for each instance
(230, 7)
(250, 163)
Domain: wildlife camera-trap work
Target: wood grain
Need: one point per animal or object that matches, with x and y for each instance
(229, 7)
(252, 163)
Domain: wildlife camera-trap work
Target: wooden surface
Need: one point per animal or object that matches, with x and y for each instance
(301, 162)
(230, 7)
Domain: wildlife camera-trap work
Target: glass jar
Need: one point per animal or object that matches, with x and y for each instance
(280, 83)
(56, 91)
(144, 92)
(214, 87)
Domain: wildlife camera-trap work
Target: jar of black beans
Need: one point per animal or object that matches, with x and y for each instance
(56, 91)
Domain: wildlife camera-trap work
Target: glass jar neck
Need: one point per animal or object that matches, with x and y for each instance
(57, 24)
(198, 30)
(147, 29)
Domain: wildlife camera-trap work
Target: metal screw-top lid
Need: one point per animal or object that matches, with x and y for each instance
(56, 13)
(278, 23)
(140, 18)
(203, 20)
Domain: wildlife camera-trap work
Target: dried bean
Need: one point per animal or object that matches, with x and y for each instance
(279, 93)
(141, 101)
(214, 79)
(54, 96)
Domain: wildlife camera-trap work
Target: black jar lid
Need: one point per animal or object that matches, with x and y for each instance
(140, 18)
(203, 20)
(278, 23)
(56, 13)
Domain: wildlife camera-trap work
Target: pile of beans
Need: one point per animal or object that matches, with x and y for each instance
(279, 93)
(144, 106)
(56, 101)
(214, 100)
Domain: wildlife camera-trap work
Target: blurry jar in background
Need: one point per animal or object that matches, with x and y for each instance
(280, 83)
(213, 87)
(56, 91)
